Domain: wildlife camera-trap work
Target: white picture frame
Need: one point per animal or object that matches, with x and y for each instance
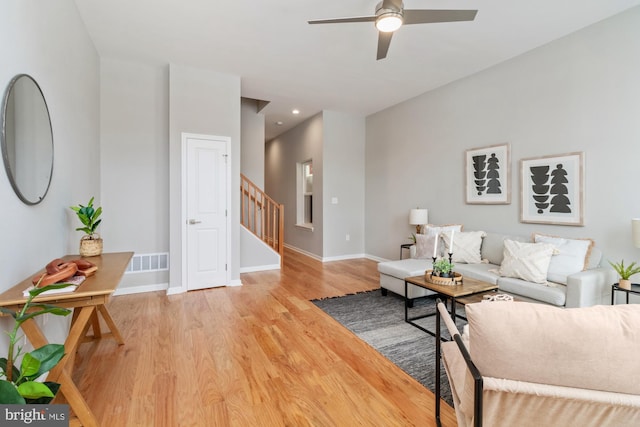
(488, 175)
(552, 189)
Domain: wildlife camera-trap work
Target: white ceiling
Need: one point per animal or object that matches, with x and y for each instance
(282, 59)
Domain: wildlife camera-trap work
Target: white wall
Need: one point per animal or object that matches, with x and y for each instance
(134, 145)
(302, 143)
(202, 102)
(579, 93)
(48, 41)
(343, 179)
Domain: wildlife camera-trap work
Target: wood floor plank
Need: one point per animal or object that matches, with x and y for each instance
(256, 355)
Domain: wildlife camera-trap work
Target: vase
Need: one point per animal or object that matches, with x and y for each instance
(624, 284)
(90, 246)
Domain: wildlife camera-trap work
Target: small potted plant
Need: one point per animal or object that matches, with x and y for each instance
(443, 268)
(91, 242)
(18, 382)
(625, 272)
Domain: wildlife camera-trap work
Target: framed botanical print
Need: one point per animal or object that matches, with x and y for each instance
(488, 175)
(552, 189)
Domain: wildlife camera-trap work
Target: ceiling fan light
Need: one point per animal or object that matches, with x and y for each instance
(389, 22)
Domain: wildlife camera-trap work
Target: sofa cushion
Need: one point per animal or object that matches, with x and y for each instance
(571, 256)
(550, 293)
(484, 272)
(527, 261)
(592, 347)
(493, 246)
(466, 245)
(404, 268)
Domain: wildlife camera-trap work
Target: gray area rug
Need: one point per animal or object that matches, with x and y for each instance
(379, 321)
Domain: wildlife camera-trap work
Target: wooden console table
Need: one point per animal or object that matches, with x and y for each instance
(87, 301)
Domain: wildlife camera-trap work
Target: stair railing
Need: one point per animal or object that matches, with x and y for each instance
(262, 215)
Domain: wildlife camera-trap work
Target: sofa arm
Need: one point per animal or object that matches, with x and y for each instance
(590, 287)
(412, 251)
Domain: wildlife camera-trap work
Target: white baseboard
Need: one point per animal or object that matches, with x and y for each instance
(176, 290)
(342, 257)
(303, 252)
(235, 282)
(259, 268)
(141, 289)
(376, 258)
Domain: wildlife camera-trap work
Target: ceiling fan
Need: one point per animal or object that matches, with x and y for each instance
(391, 15)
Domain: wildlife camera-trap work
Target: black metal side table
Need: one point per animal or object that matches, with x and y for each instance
(405, 246)
(635, 289)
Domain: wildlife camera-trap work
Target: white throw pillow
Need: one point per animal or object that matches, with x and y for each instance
(466, 245)
(425, 244)
(438, 230)
(526, 261)
(571, 257)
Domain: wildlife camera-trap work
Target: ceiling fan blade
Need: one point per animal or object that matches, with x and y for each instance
(342, 20)
(427, 16)
(384, 40)
(392, 4)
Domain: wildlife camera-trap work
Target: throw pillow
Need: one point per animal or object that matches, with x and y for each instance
(466, 245)
(526, 261)
(438, 229)
(571, 258)
(425, 244)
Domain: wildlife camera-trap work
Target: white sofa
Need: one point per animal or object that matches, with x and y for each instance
(585, 288)
(576, 367)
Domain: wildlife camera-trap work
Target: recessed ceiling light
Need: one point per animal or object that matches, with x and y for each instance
(295, 111)
(279, 123)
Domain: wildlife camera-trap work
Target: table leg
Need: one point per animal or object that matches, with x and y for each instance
(95, 325)
(111, 324)
(63, 370)
(453, 309)
(406, 302)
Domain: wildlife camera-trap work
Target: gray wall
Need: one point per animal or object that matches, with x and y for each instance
(297, 145)
(202, 102)
(134, 145)
(48, 41)
(335, 142)
(579, 93)
(343, 179)
(252, 157)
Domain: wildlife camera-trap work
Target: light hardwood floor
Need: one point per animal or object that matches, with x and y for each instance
(255, 355)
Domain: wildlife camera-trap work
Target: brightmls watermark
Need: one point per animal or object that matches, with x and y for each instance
(34, 415)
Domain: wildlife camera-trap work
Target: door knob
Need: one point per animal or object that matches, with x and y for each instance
(194, 221)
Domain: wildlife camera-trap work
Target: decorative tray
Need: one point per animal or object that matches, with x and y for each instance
(446, 281)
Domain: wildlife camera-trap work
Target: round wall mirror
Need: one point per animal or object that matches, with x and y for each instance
(27, 139)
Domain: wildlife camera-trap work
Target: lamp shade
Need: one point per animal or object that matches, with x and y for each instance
(419, 216)
(635, 231)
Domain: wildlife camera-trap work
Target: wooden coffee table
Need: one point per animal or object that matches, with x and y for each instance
(453, 293)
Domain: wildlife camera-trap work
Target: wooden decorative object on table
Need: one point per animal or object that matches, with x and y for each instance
(447, 281)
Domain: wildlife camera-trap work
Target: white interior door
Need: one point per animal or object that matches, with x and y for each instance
(206, 212)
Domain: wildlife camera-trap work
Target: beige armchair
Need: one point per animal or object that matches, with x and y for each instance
(526, 364)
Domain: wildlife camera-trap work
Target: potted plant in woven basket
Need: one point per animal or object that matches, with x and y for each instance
(625, 273)
(91, 242)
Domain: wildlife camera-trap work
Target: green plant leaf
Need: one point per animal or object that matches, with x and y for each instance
(53, 309)
(9, 395)
(49, 355)
(3, 366)
(9, 312)
(34, 390)
(30, 365)
(54, 387)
